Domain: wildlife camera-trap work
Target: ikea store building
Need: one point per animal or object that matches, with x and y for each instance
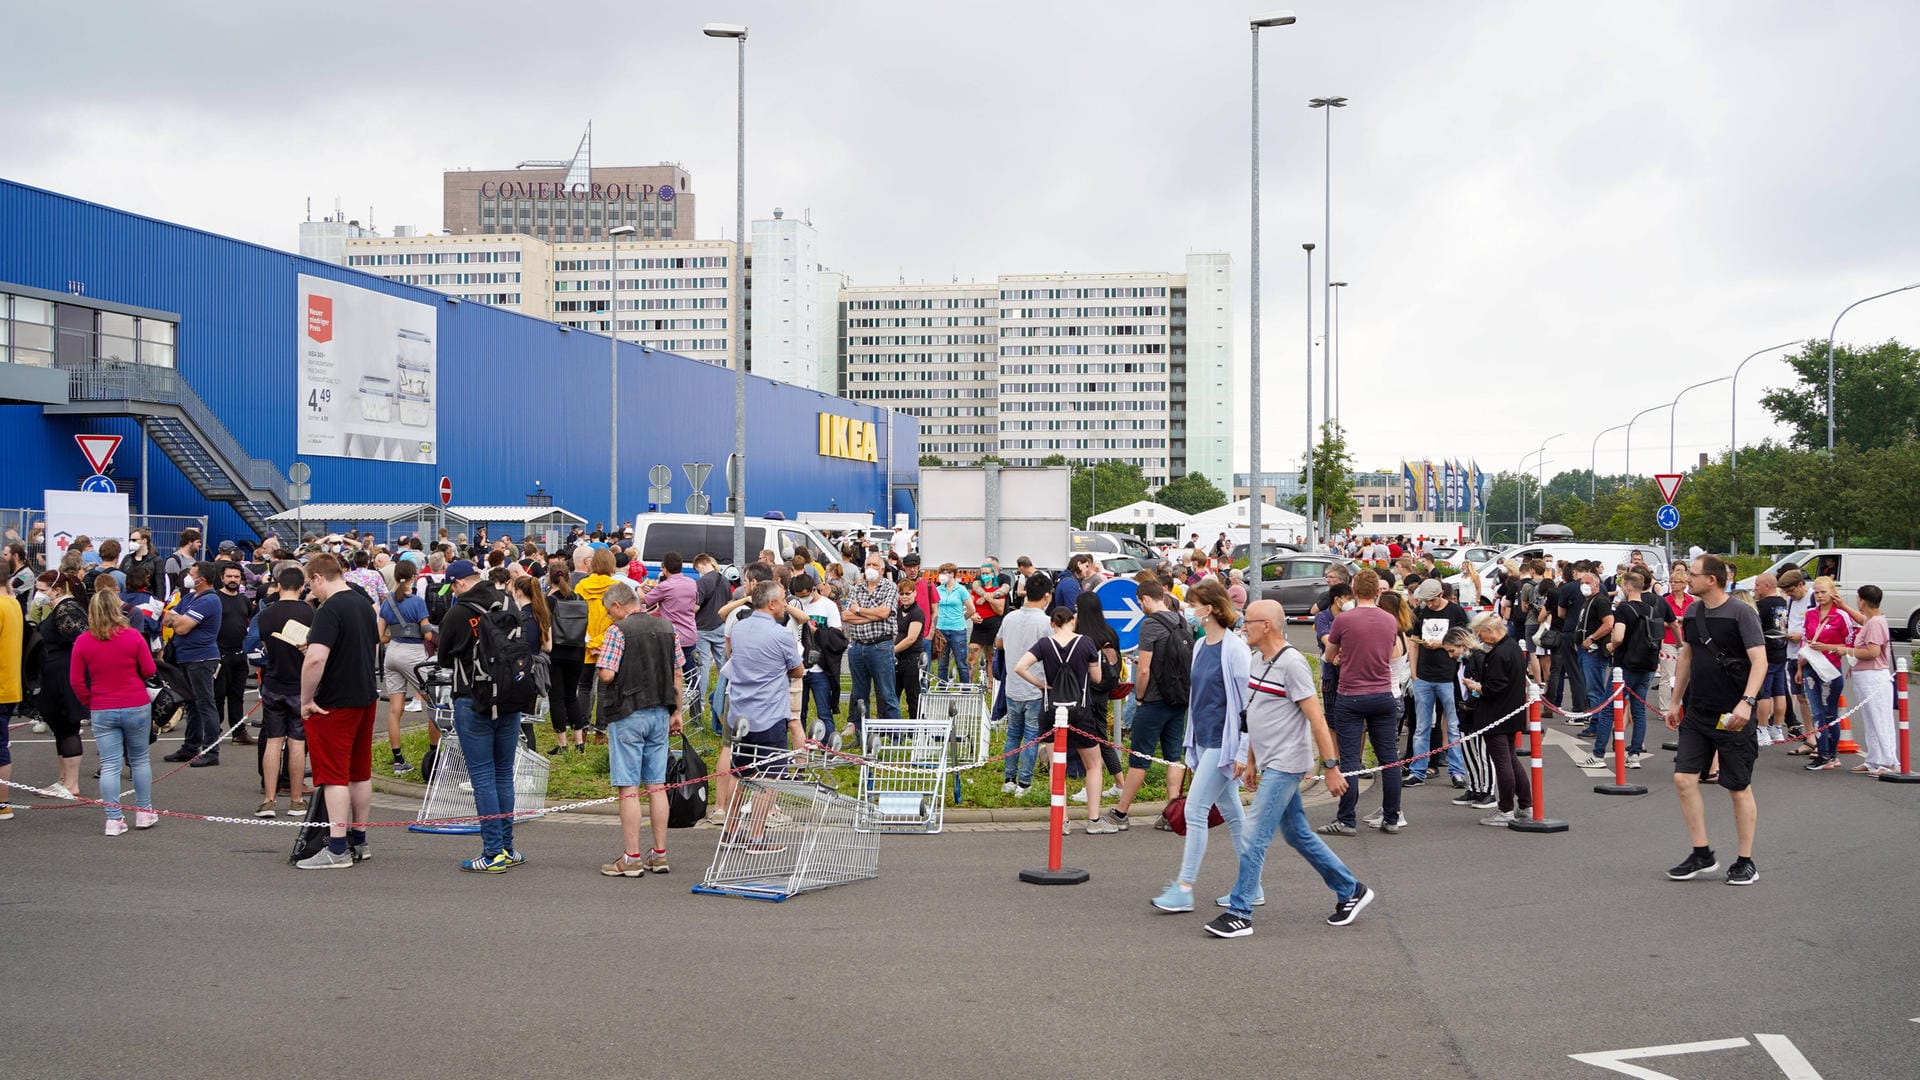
(222, 363)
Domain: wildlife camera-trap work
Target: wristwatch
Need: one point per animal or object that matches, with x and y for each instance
(1329, 763)
(1750, 699)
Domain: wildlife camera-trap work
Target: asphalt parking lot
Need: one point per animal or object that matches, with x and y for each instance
(193, 949)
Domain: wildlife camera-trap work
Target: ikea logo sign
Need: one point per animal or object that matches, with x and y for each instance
(845, 437)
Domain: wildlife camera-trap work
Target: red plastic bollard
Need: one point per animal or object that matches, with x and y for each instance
(1055, 874)
(1539, 822)
(1619, 785)
(1906, 775)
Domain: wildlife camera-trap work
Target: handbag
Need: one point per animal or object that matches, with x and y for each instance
(1175, 815)
(686, 805)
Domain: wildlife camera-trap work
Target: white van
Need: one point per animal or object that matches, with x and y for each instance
(1896, 571)
(690, 534)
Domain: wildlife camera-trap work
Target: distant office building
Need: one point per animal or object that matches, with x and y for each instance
(514, 272)
(784, 291)
(327, 238)
(831, 332)
(570, 201)
(1278, 488)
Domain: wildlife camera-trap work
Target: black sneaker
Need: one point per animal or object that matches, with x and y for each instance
(1412, 781)
(1465, 798)
(1742, 872)
(1459, 781)
(1694, 866)
(1349, 909)
(1228, 924)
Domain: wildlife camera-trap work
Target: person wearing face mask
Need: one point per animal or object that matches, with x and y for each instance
(869, 615)
(1592, 625)
(1434, 674)
(230, 682)
(950, 618)
(195, 623)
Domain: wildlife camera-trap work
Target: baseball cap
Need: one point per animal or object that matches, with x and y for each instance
(460, 569)
(228, 545)
(1427, 590)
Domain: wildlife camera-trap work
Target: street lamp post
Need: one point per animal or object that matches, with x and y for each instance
(1733, 413)
(613, 366)
(1341, 285)
(1540, 481)
(1671, 426)
(1255, 567)
(1593, 465)
(738, 33)
(1313, 513)
(1520, 495)
(1326, 104)
(1630, 423)
(1830, 334)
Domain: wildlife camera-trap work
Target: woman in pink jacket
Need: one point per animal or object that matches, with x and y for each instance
(110, 667)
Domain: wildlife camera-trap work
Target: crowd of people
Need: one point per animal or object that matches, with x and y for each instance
(623, 654)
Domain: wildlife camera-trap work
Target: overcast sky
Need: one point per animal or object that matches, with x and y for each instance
(1551, 215)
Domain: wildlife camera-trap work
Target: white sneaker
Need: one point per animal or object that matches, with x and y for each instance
(1009, 788)
(1112, 792)
(60, 791)
(39, 727)
(1633, 760)
(1498, 820)
(145, 819)
(1592, 762)
(116, 826)
(1779, 733)
(1021, 792)
(414, 706)
(1078, 796)
(1766, 736)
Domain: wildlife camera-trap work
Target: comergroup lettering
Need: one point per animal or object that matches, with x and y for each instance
(845, 437)
(520, 189)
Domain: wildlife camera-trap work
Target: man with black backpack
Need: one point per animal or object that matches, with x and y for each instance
(639, 669)
(485, 644)
(1161, 670)
(1639, 624)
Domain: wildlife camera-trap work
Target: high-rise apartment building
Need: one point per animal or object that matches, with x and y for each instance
(784, 287)
(501, 271)
(1207, 399)
(930, 351)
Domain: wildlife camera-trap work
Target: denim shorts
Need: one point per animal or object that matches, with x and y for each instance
(637, 749)
(1775, 684)
(1159, 729)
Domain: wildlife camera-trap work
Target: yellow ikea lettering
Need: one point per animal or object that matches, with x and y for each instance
(845, 437)
(840, 437)
(825, 446)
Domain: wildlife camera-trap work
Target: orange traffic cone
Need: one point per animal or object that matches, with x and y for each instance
(1846, 745)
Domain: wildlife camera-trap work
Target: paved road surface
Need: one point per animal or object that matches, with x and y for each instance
(194, 950)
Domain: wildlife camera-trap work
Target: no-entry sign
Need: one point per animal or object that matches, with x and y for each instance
(446, 491)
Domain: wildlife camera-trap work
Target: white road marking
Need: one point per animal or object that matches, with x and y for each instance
(1616, 1060)
(1793, 1064)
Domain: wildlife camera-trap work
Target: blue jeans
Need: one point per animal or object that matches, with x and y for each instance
(488, 745)
(1024, 721)
(956, 654)
(1374, 717)
(1824, 700)
(122, 734)
(1598, 675)
(1210, 788)
(1639, 685)
(872, 664)
(711, 653)
(1277, 808)
(1425, 696)
(816, 690)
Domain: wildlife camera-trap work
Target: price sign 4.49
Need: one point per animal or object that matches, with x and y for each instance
(318, 399)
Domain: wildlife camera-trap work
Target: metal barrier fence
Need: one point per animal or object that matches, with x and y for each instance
(30, 526)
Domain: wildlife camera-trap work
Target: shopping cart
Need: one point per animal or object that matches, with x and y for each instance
(787, 833)
(963, 707)
(436, 685)
(450, 794)
(903, 775)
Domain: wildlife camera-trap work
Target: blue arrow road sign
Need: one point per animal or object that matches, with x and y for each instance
(1120, 603)
(1667, 517)
(98, 484)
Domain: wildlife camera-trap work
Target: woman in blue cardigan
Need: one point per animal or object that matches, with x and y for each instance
(1215, 700)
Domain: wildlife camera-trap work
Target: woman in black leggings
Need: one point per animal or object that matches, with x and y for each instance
(59, 706)
(568, 663)
(1503, 693)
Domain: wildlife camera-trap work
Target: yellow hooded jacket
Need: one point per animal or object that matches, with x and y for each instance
(590, 589)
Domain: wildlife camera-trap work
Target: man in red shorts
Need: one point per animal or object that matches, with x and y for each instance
(337, 695)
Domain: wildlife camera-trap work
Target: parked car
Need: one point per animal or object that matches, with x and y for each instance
(1113, 566)
(691, 534)
(1297, 579)
(1268, 549)
(1112, 543)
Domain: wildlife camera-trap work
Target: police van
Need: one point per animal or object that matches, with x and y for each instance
(690, 534)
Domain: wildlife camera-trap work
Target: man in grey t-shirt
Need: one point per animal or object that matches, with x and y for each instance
(1285, 725)
(1020, 630)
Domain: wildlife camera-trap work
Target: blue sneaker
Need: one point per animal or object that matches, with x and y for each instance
(1258, 901)
(488, 864)
(1175, 898)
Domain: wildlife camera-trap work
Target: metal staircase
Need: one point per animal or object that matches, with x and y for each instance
(185, 429)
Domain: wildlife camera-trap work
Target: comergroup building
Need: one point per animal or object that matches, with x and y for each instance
(221, 363)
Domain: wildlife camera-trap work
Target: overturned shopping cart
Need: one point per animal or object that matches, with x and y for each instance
(789, 832)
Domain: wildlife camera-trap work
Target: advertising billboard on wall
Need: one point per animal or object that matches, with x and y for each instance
(367, 374)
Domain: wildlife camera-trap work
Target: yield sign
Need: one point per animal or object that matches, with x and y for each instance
(1669, 483)
(98, 449)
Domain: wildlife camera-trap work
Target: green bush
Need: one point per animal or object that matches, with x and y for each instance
(1747, 565)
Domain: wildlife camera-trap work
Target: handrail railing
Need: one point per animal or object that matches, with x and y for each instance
(147, 383)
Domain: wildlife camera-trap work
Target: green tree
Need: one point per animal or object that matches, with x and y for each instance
(1332, 481)
(991, 459)
(931, 461)
(1114, 483)
(1190, 494)
(1876, 395)
(1817, 494)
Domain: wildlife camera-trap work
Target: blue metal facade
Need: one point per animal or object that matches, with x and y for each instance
(521, 403)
